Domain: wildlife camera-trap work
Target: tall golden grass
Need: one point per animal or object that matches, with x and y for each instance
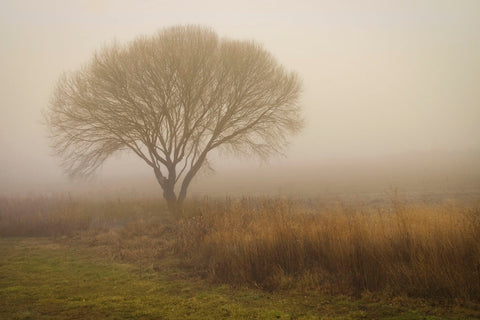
(420, 250)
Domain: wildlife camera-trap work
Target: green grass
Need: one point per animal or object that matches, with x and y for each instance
(44, 279)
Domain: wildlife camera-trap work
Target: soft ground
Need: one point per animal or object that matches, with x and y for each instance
(42, 278)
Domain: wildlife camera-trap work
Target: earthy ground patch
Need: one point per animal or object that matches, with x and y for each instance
(44, 279)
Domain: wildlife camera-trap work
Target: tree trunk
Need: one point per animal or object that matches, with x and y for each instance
(171, 198)
(189, 176)
(168, 187)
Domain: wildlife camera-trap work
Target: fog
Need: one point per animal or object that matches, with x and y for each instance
(391, 92)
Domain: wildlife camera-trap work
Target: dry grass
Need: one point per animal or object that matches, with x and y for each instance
(420, 250)
(138, 230)
(67, 216)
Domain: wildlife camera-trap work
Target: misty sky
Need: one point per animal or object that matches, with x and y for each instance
(380, 77)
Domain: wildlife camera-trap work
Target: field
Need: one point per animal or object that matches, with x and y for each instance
(245, 258)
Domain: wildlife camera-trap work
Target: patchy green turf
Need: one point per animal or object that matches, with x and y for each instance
(41, 279)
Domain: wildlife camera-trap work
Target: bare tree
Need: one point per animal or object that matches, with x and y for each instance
(171, 99)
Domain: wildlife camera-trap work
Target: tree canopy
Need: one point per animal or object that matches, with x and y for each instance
(171, 98)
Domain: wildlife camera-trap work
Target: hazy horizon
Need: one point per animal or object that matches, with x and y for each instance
(382, 80)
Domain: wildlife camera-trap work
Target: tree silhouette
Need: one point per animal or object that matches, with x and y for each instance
(171, 99)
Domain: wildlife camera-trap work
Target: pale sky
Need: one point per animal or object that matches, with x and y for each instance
(380, 77)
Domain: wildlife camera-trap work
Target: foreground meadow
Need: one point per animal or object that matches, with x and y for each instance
(238, 259)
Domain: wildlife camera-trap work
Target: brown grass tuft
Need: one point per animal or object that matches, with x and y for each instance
(418, 250)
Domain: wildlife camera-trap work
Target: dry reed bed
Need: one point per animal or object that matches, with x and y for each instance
(419, 250)
(66, 216)
(134, 230)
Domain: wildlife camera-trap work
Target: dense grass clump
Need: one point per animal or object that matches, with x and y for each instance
(419, 250)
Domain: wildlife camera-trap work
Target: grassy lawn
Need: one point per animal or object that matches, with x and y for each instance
(42, 279)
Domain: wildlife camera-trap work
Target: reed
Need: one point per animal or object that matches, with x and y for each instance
(417, 250)
(66, 216)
